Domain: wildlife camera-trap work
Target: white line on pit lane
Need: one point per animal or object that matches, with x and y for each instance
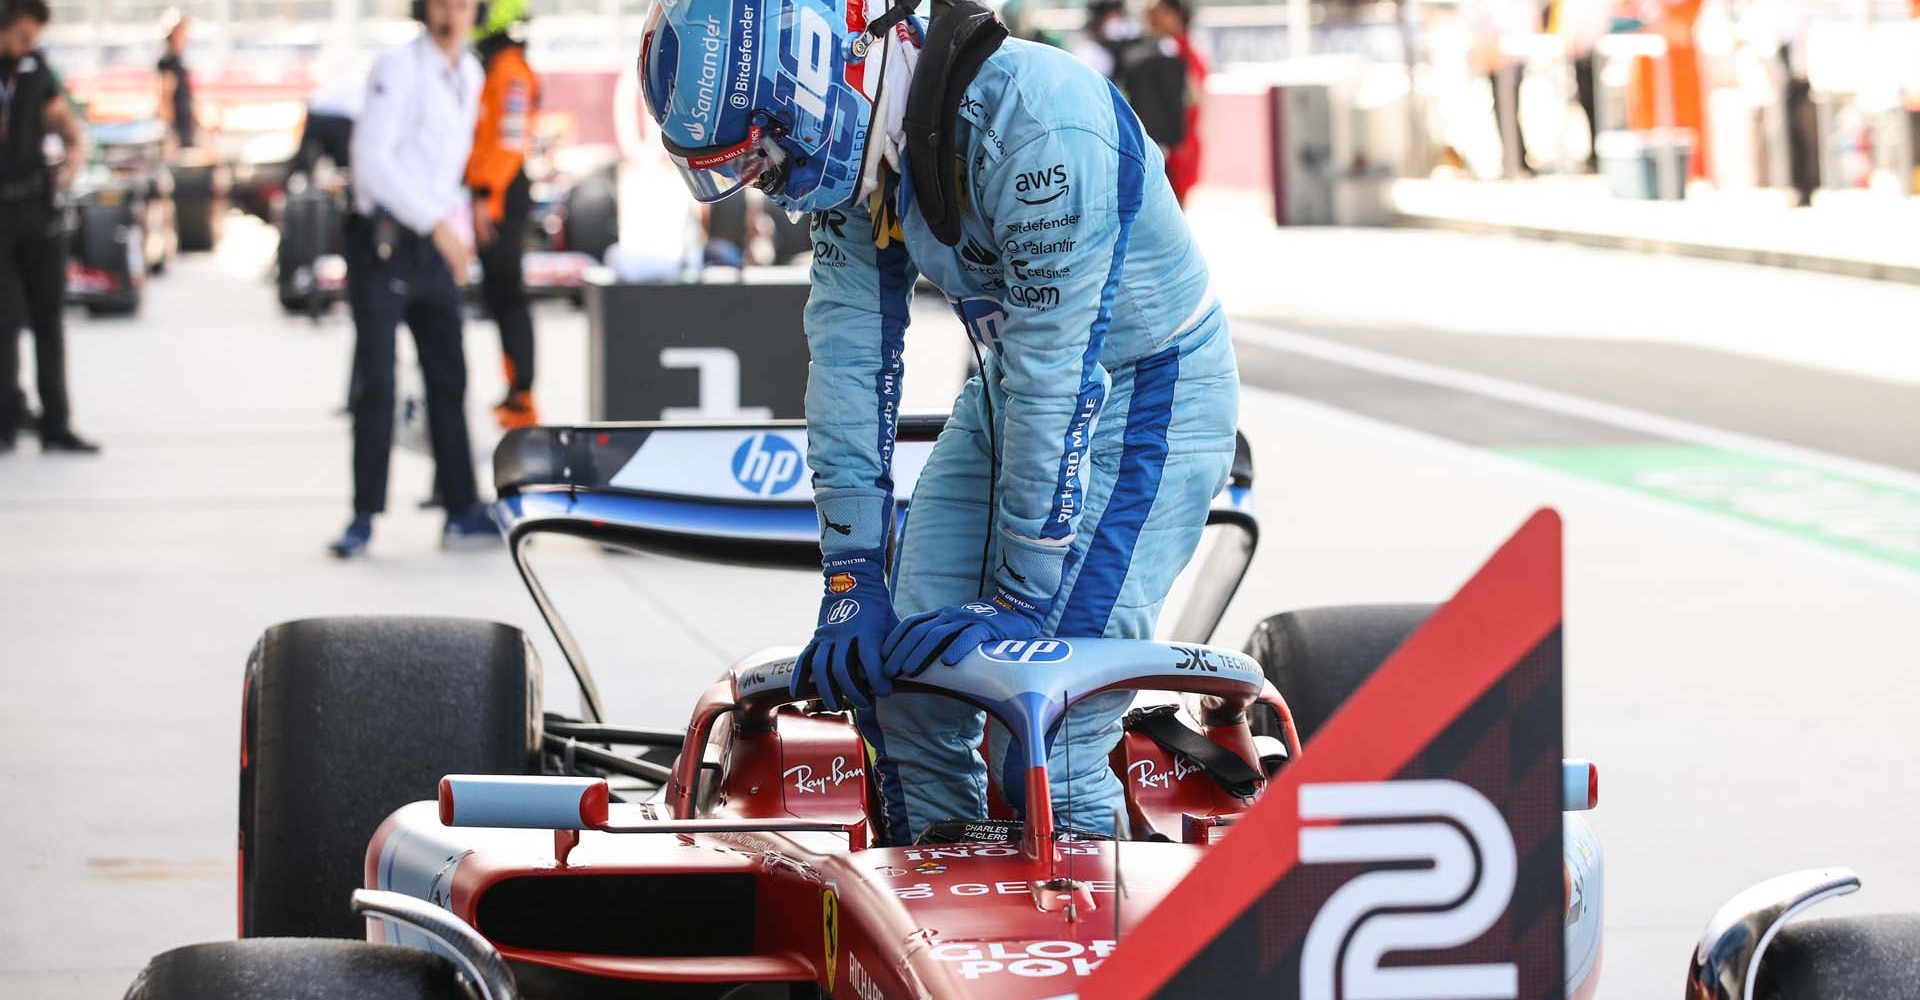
(1506, 464)
(1559, 402)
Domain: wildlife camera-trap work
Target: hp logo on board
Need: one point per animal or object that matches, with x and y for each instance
(843, 610)
(1027, 650)
(766, 464)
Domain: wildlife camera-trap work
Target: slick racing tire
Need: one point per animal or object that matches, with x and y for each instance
(103, 237)
(592, 222)
(122, 307)
(1838, 958)
(310, 227)
(1319, 657)
(297, 969)
(196, 207)
(345, 720)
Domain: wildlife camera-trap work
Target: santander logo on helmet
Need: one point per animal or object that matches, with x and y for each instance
(767, 92)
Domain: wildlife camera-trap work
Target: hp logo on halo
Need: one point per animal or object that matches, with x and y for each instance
(766, 464)
(842, 610)
(1027, 650)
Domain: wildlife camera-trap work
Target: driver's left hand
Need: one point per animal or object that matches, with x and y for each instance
(949, 634)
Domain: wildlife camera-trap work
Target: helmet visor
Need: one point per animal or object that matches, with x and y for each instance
(714, 172)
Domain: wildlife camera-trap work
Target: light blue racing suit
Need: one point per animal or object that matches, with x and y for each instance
(1110, 392)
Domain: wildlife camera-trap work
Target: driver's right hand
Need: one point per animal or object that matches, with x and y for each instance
(856, 614)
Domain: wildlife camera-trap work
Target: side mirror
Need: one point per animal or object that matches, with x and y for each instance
(1579, 785)
(523, 802)
(1727, 959)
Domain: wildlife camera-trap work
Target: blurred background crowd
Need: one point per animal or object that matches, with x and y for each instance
(1791, 94)
(1319, 104)
(1795, 95)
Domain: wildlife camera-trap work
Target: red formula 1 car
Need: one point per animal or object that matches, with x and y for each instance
(571, 858)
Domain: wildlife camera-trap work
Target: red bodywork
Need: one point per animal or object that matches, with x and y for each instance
(978, 919)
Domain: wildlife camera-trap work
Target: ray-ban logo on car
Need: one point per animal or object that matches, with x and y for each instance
(767, 464)
(1027, 650)
(807, 782)
(843, 610)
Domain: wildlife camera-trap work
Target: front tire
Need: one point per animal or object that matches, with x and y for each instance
(115, 309)
(297, 969)
(196, 207)
(346, 720)
(1835, 958)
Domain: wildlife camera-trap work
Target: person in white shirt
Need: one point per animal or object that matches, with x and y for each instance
(406, 262)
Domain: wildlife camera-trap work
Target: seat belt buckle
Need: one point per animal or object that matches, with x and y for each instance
(1135, 717)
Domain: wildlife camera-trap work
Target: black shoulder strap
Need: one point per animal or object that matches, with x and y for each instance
(959, 40)
(1162, 725)
(898, 12)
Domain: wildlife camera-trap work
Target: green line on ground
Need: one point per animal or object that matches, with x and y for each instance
(1854, 514)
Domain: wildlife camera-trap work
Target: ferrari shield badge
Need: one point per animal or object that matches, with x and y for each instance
(830, 931)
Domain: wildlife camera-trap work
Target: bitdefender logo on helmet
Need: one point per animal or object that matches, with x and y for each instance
(743, 60)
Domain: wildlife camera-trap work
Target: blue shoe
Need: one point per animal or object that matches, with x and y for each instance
(472, 530)
(353, 541)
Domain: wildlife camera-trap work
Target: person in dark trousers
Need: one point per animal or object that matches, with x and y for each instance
(33, 250)
(1150, 73)
(1172, 21)
(405, 262)
(176, 84)
(1803, 130)
(1586, 88)
(502, 200)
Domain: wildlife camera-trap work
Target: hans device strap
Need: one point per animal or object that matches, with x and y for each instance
(1161, 725)
(963, 34)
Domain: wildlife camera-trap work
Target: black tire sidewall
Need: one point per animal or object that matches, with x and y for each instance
(345, 720)
(1318, 658)
(297, 969)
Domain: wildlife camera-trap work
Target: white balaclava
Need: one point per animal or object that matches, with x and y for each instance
(890, 64)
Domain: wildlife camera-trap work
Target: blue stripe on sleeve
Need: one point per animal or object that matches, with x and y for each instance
(1143, 458)
(1073, 450)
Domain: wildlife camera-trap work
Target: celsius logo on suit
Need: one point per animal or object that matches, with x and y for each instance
(1038, 187)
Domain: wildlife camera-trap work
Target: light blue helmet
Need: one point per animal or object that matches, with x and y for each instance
(767, 92)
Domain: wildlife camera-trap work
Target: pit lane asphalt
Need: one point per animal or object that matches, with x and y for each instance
(1747, 693)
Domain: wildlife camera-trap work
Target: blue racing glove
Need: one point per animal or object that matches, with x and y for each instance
(856, 610)
(949, 634)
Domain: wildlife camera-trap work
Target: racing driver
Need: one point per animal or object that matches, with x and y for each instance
(1072, 481)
